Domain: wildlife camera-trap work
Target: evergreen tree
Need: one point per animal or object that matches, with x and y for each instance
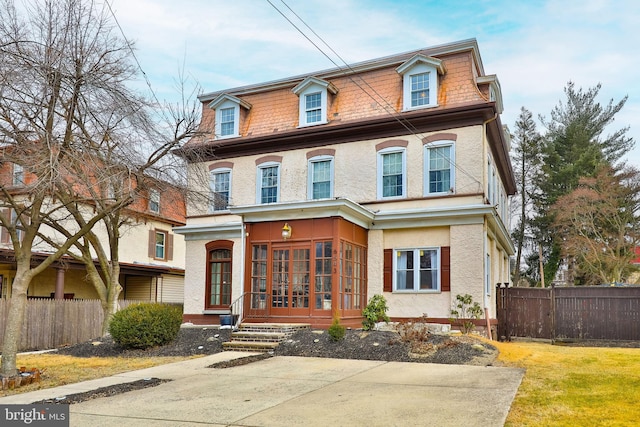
(526, 162)
(573, 147)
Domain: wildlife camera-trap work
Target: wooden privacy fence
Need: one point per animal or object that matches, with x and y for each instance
(561, 313)
(51, 323)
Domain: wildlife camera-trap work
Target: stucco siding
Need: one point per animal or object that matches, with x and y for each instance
(467, 261)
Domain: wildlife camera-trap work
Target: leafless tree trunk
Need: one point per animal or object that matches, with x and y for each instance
(71, 124)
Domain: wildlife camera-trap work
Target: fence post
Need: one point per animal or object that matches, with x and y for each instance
(553, 312)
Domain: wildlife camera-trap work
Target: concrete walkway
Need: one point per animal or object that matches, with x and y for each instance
(298, 391)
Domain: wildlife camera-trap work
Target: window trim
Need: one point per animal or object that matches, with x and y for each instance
(310, 165)
(18, 171)
(310, 86)
(379, 177)
(427, 169)
(165, 242)
(154, 197)
(226, 101)
(209, 247)
(219, 171)
(394, 271)
(420, 64)
(260, 168)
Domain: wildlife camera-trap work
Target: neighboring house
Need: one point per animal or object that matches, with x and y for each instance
(389, 176)
(151, 254)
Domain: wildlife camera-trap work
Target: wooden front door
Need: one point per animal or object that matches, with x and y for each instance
(290, 286)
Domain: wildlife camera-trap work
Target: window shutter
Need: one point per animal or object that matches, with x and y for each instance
(445, 266)
(152, 243)
(387, 275)
(169, 254)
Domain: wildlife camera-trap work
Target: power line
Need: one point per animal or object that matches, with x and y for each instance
(135, 58)
(387, 107)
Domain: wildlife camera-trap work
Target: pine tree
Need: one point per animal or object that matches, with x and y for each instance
(574, 147)
(526, 162)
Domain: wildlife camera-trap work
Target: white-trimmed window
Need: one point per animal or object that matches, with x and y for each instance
(268, 180)
(392, 173)
(320, 182)
(313, 108)
(227, 109)
(161, 243)
(154, 201)
(18, 174)
(439, 170)
(220, 183)
(416, 270)
(228, 121)
(420, 82)
(313, 96)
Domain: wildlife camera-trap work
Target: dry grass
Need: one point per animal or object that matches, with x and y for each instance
(574, 386)
(60, 369)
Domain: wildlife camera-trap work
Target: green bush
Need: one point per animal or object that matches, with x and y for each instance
(464, 311)
(375, 311)
(146, 325)
(336, 330)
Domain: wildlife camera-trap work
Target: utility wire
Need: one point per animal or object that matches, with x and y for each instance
(388, 108)
(135, 58)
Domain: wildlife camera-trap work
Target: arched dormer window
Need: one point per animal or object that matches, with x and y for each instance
(420, 82)
(313, 95)
(227, 109)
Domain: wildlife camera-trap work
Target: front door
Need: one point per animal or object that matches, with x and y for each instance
(290, 290)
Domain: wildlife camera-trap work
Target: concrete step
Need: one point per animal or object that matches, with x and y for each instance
(261, 336)
(285, 328)
(258, 336)
(249, 346)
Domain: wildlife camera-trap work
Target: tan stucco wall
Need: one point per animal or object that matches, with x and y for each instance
(417, 304)
(196, 271)
(355, 172)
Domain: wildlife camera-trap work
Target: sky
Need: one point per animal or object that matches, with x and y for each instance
(534, 47)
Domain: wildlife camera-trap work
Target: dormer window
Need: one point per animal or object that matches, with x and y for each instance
(18, 174)
(228, 115)
(313, 95)
(420, 82)
(154, 201)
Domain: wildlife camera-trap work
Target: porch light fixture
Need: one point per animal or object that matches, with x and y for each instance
(286, 231)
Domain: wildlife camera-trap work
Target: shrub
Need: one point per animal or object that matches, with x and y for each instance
(336, 330)
(416, 333)
(375, 311)
(464, 310)
(146, 325)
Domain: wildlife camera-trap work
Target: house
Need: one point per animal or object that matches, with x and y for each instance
(390, 176)
(151, 255)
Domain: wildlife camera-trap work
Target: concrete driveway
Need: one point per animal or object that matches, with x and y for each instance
(299, 391)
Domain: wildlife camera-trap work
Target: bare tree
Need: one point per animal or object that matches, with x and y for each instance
(69, 121)
(598, 224)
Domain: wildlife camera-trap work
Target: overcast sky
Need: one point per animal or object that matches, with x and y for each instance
(534, 47)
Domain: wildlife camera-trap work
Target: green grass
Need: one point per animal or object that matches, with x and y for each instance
(59, 369)
(574, 386)
(563, 386)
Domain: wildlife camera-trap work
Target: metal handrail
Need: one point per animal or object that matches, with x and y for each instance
(237, 309)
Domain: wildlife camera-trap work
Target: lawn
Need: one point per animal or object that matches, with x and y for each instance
(574, 386)
(563, 386)
(61, 369)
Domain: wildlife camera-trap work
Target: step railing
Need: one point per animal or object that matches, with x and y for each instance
(254, 302)
(237, 310)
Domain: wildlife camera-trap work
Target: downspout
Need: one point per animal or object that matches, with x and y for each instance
(243, 255)
(484, 261)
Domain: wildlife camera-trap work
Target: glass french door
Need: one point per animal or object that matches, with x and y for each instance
(290, 291)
